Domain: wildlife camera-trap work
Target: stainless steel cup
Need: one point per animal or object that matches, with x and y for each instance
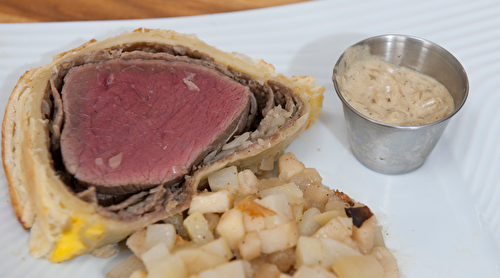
(392, 149)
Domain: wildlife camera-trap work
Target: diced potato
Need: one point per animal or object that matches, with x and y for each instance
(248, 183)
(289, 166)
(267, 163)
(282, 237)
(250, 246)
(253, 223)
(226, 178)
(234, 269)
(197, 228)
(197, 260)
(126, 268)
(252, 208)
(173, 267)
(294, 194)
(325, 217)
(313, 272)
(333, 250)
(298, 211)
(155, 255)
(347, 223)
(306, 178)
(269, 183)
(137, 242)
(279, 204)
(307, 225)
(231, 227)
(283, 259)
(157, 233)
(387, 260)
(290, 224)
(358, 266)
(365, 235)
(334, 229)
(268, 271)
(218, 202)
(219, 247)
(309, 251)
(317, 195)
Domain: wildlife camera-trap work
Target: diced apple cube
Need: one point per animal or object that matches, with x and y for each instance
(155, 255)
(307, 225)
(157, 233)
(358, 266)
(197, 228)
(234, 269)
(137, 242)
(347, 223)
(268, 270)
(333, 250)
(387, 260)
(219, 247)
(334, 229)
(173, 267)
(207, 202)
(254, 214)
(334, 203)
(365, 235)
(313, 272)
(298, 211)
(250, 246)
(280, 205)
(325, 217)
(282, 237)
(294, 194)
(253, 223)
(248, 182)
(231, 227)
(197, 260)
(289, 166)
(309, 251)
(226, 178)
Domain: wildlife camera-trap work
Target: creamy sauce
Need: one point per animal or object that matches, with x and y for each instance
(391, 94)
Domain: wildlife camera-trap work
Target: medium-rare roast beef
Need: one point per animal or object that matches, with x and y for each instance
(83, 174)
(131, 125)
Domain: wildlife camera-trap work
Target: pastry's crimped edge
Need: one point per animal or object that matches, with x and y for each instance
(62, 225)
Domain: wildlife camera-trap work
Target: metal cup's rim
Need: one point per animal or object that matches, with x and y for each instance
(364, 41)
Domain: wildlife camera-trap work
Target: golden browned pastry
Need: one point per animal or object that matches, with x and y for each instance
(115, 135)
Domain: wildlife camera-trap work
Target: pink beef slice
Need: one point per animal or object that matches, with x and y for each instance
(131, 125)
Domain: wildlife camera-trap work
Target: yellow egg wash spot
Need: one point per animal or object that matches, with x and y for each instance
(70, 243)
